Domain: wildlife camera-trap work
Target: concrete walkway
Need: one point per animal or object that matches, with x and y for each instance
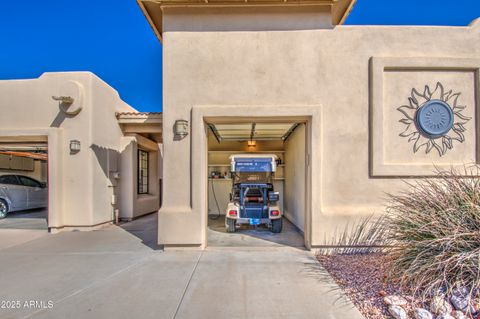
(115, 273)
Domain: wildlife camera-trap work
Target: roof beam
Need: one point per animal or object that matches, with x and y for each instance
(246, 139)
(215, 132)
(153, 9)
(252, 132)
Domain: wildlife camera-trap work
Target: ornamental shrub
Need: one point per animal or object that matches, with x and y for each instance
(434, 230)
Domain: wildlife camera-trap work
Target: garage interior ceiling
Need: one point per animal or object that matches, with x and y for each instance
(253, 131)
(34, 150)
(24, 147)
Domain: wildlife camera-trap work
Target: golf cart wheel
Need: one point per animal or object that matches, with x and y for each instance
(277, 225)
(3, 209)
(231, 225)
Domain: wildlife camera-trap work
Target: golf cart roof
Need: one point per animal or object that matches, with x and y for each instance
(253, 163)
(273, 157)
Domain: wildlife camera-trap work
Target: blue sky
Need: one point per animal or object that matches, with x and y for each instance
(112, 38)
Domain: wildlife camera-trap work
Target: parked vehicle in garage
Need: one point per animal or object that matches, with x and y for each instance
(253, 200)
(18, 192)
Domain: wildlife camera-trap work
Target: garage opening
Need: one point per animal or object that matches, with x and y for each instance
(241, 156)
(24, 184)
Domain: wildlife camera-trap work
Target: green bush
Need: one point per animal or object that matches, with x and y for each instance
(434, 228)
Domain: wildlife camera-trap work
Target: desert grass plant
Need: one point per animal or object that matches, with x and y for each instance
(366, 235)
(435, 229)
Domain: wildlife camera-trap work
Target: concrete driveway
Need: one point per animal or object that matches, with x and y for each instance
(115, 273)
(252, 236)
(23, 226)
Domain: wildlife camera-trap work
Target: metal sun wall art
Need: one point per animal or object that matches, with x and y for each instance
(433, 119)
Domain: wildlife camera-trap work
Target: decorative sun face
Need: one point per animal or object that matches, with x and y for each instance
(433, 119)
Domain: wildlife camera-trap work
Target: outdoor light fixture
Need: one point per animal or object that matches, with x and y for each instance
(74, 146)
(180, 129)
(252, 143)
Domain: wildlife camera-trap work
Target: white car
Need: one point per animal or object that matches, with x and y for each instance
(18, 192)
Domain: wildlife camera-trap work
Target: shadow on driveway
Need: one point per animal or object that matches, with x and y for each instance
(144, 228)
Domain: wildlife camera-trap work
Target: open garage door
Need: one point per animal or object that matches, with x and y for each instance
(24, 186)
(249, 164)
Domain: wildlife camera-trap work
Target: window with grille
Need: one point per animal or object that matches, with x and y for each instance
(142, 172)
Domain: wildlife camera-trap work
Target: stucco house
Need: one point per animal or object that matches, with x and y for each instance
(353, 91)
(349, 111)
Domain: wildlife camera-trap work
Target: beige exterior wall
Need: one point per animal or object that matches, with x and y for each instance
(330, 70)
(81, 185)
(221, 19)
(133, 204)
(295, 181)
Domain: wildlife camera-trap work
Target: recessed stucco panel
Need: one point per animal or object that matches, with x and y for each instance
(398, 86)
(457, 78)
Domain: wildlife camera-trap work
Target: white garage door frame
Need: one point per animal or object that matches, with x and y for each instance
(311, 114)
(53, 138)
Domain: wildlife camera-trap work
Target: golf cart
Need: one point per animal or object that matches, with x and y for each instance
(253, 200)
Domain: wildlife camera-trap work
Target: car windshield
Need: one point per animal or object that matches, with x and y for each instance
(29, 182)
(9, 179)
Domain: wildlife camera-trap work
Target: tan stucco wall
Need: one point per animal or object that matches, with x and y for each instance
(258, 18)
(81, 185)
(295, 182)
(326, 67)
(133, 204)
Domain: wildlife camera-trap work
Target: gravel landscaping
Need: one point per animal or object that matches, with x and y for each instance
(363, 278)
(428, 240)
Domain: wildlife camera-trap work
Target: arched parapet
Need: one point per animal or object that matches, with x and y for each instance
(475, 23)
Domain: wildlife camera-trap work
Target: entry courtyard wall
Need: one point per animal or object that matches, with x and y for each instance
(358, 75)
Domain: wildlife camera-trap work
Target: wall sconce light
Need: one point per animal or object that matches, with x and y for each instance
(74, 146)
(180, 129)
(251, 143)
